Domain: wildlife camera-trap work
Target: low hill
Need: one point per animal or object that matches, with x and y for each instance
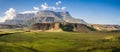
(106, 27)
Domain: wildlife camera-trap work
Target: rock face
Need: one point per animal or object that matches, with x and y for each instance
(82, 28)
(43, 26)
(76, 27)
(101, 27)
(43, 17)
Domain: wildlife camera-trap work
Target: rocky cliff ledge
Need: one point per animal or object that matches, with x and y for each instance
(74, 27)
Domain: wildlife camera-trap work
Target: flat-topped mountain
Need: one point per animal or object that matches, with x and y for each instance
(44, 16)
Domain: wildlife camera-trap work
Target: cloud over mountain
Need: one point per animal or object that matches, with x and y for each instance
(58, 3)
(9, 14)
(63, 8)
(36, 8)
(45, 6)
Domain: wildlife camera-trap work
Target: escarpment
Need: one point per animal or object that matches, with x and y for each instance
(73, 27)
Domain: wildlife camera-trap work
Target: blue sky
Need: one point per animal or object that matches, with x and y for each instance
(92, 11)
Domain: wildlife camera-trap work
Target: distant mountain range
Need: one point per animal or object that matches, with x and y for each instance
(44, 16)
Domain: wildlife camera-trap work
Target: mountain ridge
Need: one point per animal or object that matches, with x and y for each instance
(44, 16)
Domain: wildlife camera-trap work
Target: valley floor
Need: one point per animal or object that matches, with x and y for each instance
(21, 41)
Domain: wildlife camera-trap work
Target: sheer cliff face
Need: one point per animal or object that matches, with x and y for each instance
(76, 27)
(43, 17)
(47, 16)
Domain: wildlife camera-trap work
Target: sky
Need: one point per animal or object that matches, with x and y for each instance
(91, 11)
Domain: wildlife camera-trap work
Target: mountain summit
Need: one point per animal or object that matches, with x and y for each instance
(45, 16)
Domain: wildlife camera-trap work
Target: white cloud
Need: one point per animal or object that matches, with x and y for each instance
(9, 14)
(25, 12)
(44, 6)
(58, 2)
(63, 8)
(36, 8)
(54, 8)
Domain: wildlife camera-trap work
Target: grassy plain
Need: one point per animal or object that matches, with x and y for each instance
(21, 41)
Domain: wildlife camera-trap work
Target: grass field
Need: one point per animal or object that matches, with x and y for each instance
(20, 41)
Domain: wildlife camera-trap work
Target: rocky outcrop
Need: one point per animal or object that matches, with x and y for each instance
(101, 27)
(43, 26)
(82, 28)
(46, 27)
(76, 27)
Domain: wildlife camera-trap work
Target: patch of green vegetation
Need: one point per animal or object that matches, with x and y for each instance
(60, 42)
(66, 27)
(115, 31)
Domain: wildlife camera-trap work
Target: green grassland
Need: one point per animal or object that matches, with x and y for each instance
(21, 41)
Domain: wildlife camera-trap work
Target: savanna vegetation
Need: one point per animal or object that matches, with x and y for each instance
(21, 41)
